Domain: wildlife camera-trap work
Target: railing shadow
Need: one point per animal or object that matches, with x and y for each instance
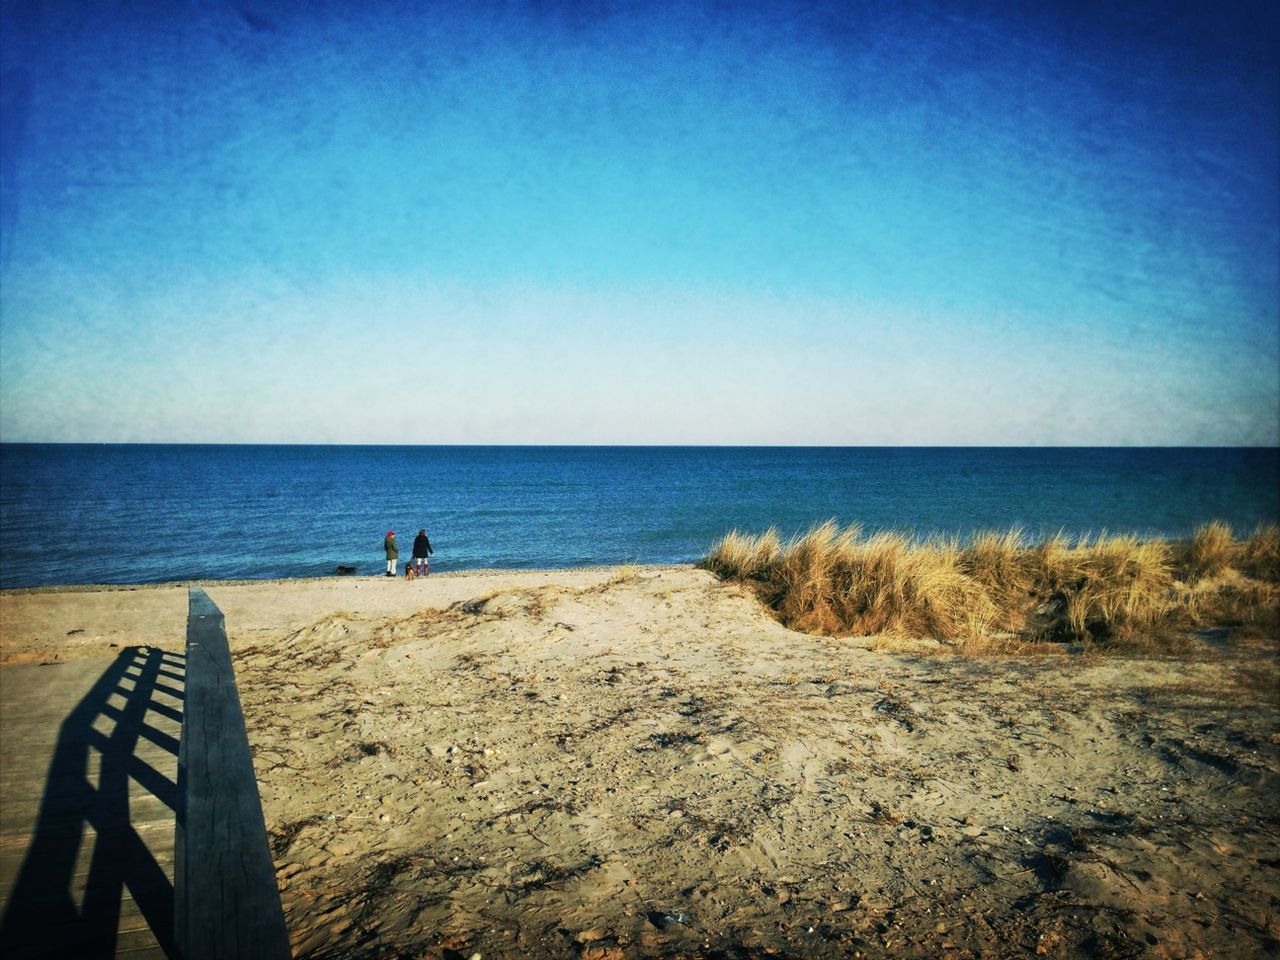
(42, 917)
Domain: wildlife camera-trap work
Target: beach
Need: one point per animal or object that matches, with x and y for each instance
(642, 762)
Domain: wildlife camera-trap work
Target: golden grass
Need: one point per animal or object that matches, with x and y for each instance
(1114, 587)
(740, 556)
(1211, 550)
(999, 593)
(999, 560)
(1260, 556)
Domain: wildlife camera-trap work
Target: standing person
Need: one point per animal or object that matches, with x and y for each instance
(421, 551)
(393, 552)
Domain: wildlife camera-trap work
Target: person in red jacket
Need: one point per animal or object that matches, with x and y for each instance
(393, 552)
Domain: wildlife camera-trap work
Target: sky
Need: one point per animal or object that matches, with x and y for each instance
(560, 222)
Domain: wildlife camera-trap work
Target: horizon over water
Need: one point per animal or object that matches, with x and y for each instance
(140, 513)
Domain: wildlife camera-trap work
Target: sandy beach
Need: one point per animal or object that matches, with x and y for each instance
(641, 762)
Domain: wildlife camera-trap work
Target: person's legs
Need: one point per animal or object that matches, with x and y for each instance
(391, 568)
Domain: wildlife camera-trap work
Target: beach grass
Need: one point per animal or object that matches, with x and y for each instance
(1210, 552)
(997, 590)
(1260, 554)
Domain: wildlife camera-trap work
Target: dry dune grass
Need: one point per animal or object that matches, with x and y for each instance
(998, 591)
(1210, 551)
(747, 555)
(1260, 554)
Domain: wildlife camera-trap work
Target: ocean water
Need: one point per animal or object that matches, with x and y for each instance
(135, 514)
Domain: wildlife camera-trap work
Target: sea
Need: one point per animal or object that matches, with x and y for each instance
(99, 513)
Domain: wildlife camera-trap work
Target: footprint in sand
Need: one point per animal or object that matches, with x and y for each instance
(718, 747)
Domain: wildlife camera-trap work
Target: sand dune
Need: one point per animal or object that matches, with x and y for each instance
(640, 762)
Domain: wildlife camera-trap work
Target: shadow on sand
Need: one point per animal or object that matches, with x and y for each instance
(42, 917)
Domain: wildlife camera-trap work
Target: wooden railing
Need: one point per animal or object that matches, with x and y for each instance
(226, 900)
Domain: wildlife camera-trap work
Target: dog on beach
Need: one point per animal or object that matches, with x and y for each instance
(408, 571)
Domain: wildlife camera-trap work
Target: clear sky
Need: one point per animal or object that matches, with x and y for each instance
(795, 223)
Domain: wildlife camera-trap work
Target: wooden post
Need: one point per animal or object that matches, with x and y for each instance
(226, 900)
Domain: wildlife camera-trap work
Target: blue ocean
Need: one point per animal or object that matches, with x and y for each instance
(139, 513)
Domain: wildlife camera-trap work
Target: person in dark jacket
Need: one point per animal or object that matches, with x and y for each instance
(421, 551)
(393, 552)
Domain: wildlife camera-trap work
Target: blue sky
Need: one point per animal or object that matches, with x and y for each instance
(640, 223)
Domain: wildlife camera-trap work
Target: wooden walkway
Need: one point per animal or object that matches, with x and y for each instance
(88, 790)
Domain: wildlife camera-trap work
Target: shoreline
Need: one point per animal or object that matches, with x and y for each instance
(329, 578)
(1174, 543)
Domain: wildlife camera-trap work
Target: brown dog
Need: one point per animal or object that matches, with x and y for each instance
(408, 571)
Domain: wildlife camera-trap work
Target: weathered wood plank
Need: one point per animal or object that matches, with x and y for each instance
(25, 740)
(144, 763)
(80, 889)
(156, 829)
(156, 836)
(148, 782)
(17, 816)
(226, 898)
(86, 798)
(133, 938)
